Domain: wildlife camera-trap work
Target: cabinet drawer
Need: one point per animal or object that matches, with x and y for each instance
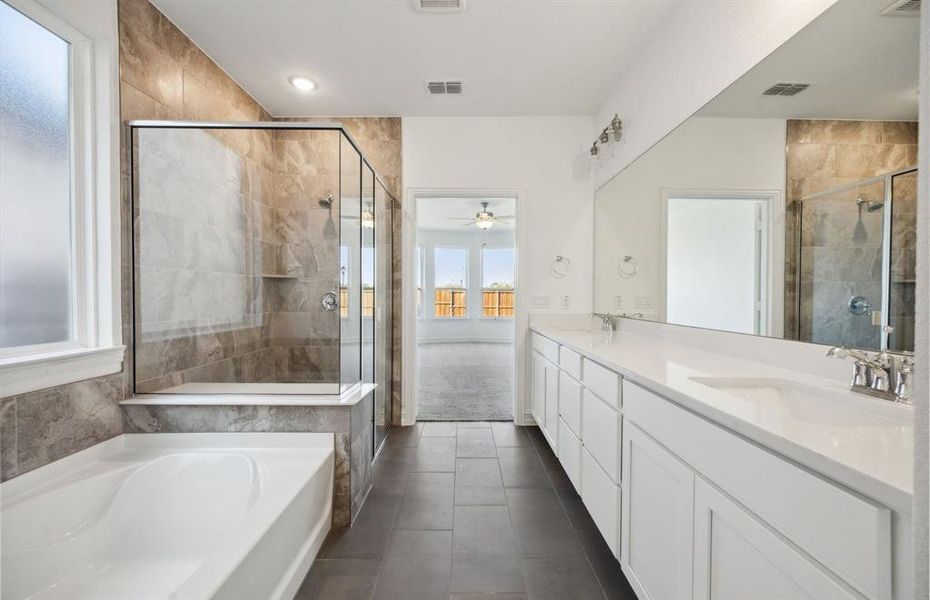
(845, 532)
(600, 434)
(546, 347)
(570, 454)
(603, 382)
(570, 362)
(570, 402)
(601, 497)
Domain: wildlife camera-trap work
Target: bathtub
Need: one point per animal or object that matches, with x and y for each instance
(174, 515)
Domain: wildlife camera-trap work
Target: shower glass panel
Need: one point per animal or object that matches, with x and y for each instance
(903, 261)
(384, 224)
(368, 275)
(857, 262)
(247, 259)
(350, 272)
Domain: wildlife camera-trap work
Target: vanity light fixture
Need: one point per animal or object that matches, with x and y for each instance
(612, 133)
(304, 84)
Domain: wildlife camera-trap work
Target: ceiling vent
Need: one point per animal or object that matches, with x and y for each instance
(444, 87)
(903, 8)
(786, 89)
(440, 5)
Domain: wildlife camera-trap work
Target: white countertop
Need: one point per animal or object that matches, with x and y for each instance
(861, 442)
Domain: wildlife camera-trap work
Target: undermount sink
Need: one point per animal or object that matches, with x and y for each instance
(806, 402)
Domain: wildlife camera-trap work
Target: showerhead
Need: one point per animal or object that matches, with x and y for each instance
(326, 202)
(869, 205)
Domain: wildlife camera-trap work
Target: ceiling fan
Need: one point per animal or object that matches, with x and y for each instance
(484, 218)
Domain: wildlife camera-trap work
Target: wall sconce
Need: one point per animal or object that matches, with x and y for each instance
(612, 133)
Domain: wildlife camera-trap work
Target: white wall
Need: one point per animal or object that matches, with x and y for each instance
(702, 154)
(535, 154)
(701, 49)
(541, 160)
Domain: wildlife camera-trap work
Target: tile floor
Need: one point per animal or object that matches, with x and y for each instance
(461, 511)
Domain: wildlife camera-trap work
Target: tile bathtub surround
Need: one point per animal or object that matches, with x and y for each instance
(431, 529)
(43, 426)
(822, 154)
(352, 430)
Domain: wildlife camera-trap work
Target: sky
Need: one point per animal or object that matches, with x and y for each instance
(451, 265)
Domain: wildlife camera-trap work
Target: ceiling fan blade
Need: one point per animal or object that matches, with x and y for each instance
(505, 217)
(469, 224)
(460, 218)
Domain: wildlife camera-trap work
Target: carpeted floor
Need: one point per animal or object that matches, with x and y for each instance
(465, 382)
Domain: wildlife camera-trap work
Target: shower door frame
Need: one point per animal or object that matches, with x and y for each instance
(134, 124)
(887, 180)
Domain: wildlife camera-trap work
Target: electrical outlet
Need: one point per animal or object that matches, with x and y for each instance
(541, 301)
(618, 302)
(644, 302)
(566, 302)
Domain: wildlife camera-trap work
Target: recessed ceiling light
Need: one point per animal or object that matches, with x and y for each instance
(304, 84)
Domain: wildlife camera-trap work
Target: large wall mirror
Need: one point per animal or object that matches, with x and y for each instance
(786, 206)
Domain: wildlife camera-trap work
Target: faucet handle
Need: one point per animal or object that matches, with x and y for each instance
(902, 383)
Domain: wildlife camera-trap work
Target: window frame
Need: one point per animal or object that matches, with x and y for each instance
(481, 279)
(466, 286)
(96, 347)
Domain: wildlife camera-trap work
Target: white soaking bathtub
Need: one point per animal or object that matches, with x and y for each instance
(169, 515)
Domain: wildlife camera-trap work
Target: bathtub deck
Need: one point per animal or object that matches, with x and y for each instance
(467, 510)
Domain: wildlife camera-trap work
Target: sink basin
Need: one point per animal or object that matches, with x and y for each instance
(806, 402)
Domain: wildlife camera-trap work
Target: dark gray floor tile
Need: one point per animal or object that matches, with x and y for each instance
(474, 425)
(369, 534)
(540, 524)
(427, 502)
(392, 467)
(439, 429)
(417, 565)
(478, 482)
(560, 578)
(509, 434)
(475, 443)
(487, 596)
(340, 579)
(574, 507)
(605, 565)
(484, 552)
(435, 454)
(520, 467)
(404, 436)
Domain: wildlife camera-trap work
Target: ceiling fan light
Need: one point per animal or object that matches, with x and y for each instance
(484, 223)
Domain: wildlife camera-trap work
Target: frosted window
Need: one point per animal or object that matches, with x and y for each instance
(35, 184)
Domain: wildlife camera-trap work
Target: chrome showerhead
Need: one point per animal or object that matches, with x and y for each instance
(326, 202)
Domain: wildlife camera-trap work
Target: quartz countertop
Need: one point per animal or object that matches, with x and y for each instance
(863, 443)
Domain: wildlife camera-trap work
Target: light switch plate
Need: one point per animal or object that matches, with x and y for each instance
(541, 301)
(646, 302)
(566, 302)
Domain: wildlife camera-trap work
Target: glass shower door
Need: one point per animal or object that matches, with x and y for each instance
(840, 266)
(350, 301)
(383, 213)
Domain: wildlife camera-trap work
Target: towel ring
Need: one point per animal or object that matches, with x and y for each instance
(560, 266)
(628, 267)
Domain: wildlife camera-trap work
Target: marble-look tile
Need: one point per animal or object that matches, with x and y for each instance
(899, 132)
(8, 457)
(846, 132)
(53, 423)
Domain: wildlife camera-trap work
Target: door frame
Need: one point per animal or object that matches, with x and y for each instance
(408, 288)
(773, 285)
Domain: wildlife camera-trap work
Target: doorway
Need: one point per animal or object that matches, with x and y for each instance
(464, 270)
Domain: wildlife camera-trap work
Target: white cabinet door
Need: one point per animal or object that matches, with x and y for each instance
(570, 402)
(600, 434)
(539, 389)
(735, 556)
(657, 519)
(552, 405)
(601, 498)
(570, 454)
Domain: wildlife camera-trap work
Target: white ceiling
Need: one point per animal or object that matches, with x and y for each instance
(434, 213)
(860, 64)
(372, 57)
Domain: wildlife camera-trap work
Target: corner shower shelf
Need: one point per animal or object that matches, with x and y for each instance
(269, 276)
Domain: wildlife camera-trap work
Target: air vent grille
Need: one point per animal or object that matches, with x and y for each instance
(444, 87)
(441, 5)
(903, 8)
(786, 89)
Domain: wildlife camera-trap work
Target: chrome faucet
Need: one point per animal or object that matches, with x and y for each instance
(607, 321)
(873, 374)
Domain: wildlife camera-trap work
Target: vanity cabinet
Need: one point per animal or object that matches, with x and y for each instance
(657, 517)
(737, 556)
(693, 510)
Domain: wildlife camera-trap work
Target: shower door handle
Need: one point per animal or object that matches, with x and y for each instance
(329, 301)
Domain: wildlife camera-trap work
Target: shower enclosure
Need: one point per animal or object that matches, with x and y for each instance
(261, 259)
(856, 263)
